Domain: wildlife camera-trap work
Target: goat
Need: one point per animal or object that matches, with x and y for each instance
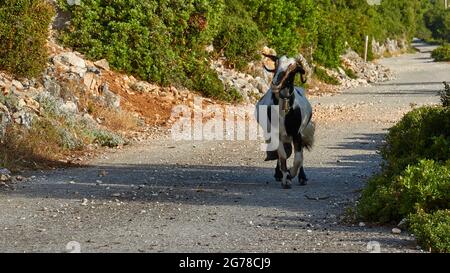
(295, 118)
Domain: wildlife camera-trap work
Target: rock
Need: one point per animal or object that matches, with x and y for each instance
(5, 178)
(69, 107)
(103, 64)
(90, 81)
(143, 87)
(5, 119)
(112, 100)
(93, 69)
(362, 224)
(90, 119)
(5, 171)
(52, 87)
(32, 104)
(70, 59)
(17, 84)
(21, 104)
(396, 231)
(23, 118)
(250, 88)
(403, 223)
(210, 48)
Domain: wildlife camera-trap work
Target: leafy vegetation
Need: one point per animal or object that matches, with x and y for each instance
(323, 76)
(239, 38)
(445, 95)
(432, 230)
(165, 41)
(442, 53)
(159, 41)
(56, 133)
(437, 21)
(23, 35)
(350, 73)
(415, 178)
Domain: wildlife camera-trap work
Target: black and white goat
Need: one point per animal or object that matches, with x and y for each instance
(295, 118)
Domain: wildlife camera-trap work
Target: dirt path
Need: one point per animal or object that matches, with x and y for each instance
(220, 196)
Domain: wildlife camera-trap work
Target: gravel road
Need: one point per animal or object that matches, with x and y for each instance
(220, 196)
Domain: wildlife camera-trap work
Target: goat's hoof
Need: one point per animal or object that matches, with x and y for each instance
(287, 186)
(303, 181)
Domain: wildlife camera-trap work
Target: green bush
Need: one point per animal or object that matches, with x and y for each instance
(437, 20)
(23, 34)
(432, 230)
(445, 95)
(350, 73)
(423, 186)
(441, 54)
(290, 26)
(415, 177)
(164, 41)
(424, 133)
(106, 139)
(239, 37)
(323, 76)
(159, 41)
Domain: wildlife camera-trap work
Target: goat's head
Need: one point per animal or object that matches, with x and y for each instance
(285, 71)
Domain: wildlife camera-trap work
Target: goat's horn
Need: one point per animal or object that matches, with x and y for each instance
(272, 57)
(305, 69)
(269, 70)
(302, 62)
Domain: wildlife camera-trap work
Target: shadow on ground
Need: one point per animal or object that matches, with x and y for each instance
(213, 185)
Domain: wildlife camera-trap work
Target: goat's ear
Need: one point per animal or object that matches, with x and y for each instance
(302, 72)
(272, 57)
(269, 70)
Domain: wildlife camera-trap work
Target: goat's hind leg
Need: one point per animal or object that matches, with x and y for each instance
(298, 169)
(302, 179)
(286, 182)
(278, 174)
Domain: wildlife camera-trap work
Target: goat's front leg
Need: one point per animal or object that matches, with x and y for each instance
(286, 182)
(297, 169)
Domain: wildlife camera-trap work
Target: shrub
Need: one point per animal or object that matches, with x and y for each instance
(441, 54)
(280, 22)
(445, 95)
(350, 73)
(331, 39)
(239, 38)
(424, 186)
(23, 34)
(159, 41)
(432, 230)
(424, 133)
(323, 76)
(106, 139)
(437, 20)
(415, 178)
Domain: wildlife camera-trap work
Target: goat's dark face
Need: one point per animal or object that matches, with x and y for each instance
(284, 73)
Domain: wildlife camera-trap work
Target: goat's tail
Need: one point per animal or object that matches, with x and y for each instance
(308, 135)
